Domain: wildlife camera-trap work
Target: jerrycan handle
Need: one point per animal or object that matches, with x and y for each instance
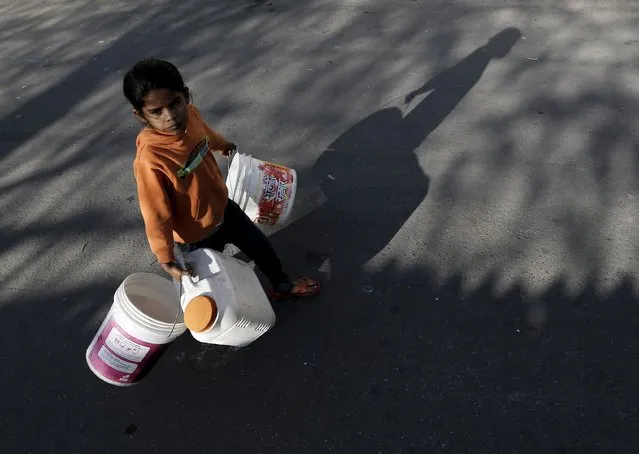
(180, 291)
(193, 279)
(184, 284)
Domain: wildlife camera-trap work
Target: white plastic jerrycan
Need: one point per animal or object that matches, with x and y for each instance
(224, 303)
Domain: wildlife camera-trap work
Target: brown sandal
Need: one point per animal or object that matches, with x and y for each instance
(302, 287)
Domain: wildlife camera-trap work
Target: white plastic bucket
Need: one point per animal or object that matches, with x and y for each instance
(243, 312)
(265, 191)
(137, 330)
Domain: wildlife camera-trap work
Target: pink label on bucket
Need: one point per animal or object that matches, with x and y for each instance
(119, 357)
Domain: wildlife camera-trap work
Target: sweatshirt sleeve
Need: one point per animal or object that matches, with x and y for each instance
(156, 210)
(216, 141)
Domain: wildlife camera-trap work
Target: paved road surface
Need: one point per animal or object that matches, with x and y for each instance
(477, 239)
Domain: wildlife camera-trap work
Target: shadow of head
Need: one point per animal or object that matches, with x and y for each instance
(500, 45)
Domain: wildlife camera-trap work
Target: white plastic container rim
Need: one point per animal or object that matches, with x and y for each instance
(244, 162)
(154, 287)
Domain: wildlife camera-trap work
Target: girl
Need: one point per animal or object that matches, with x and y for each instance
(182, 194)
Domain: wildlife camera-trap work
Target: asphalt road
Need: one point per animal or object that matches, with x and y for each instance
(468, 194)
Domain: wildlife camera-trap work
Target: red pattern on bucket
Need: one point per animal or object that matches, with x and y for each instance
(277, 189)
(118, 357)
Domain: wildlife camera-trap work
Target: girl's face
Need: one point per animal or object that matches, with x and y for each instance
(165, 111)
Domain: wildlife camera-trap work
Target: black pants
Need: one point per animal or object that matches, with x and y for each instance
(237, 229)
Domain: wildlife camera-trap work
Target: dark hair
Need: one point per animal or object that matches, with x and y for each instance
(151, 74)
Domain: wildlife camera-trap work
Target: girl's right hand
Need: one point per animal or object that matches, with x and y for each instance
(175, 270)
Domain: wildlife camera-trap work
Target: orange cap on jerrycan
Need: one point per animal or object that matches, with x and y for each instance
(200, 313)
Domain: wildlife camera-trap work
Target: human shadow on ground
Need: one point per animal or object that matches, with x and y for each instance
(371, 176)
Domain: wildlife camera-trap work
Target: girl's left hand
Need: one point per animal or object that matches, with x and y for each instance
(228, 149)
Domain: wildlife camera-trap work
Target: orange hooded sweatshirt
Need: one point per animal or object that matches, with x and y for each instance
(181, 191)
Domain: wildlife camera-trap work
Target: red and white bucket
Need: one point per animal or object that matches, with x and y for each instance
(144, 319)
(265, 191)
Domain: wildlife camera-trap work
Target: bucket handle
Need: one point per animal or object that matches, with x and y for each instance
(177, 312)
